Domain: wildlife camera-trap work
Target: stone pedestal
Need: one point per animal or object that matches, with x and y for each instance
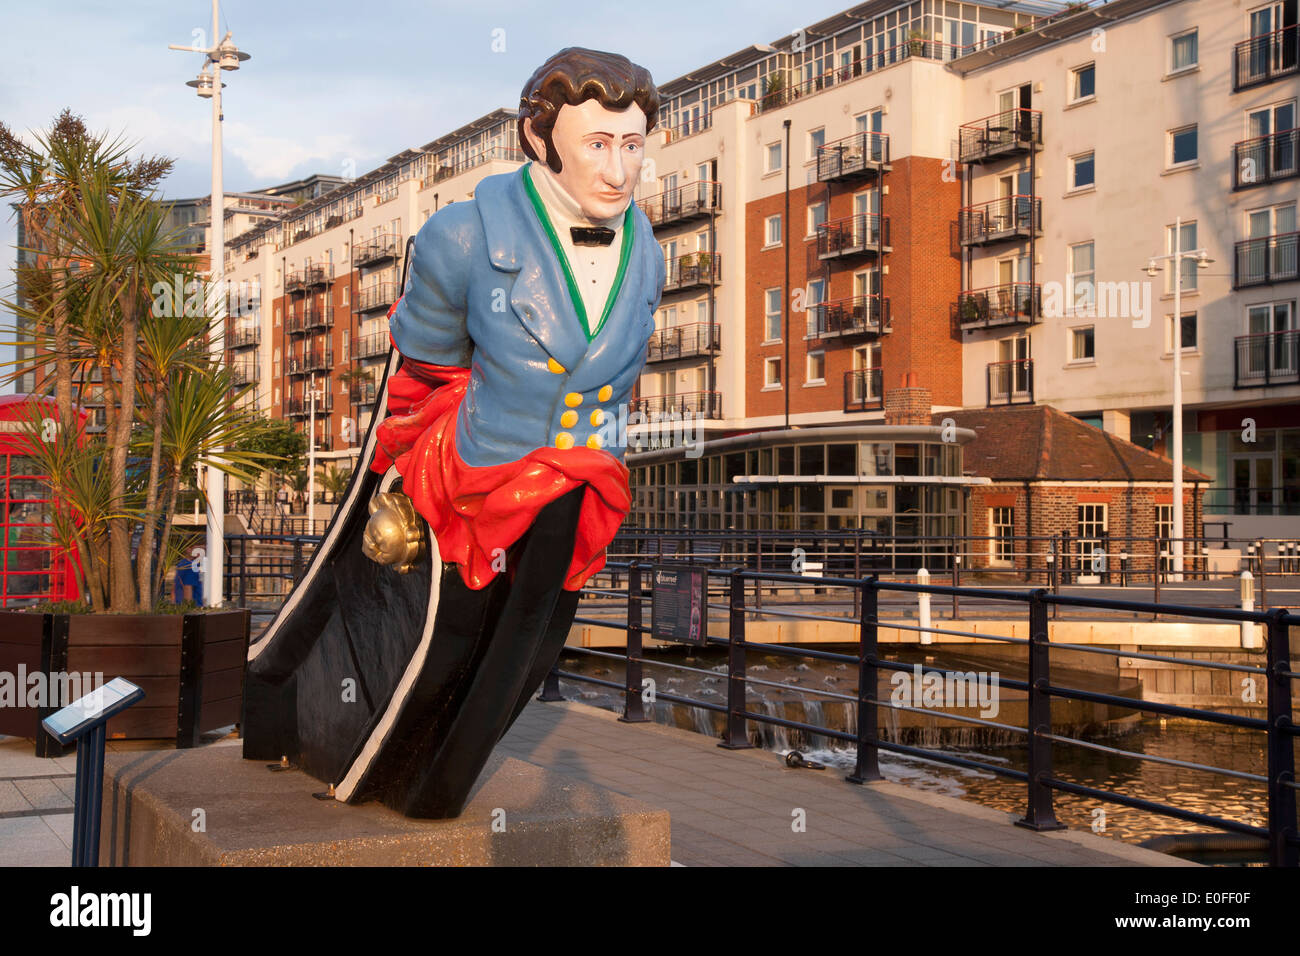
(210, 807)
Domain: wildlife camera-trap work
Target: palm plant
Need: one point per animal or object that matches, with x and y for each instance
(334, 480)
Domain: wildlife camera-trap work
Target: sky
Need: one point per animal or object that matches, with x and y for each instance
(331, 87)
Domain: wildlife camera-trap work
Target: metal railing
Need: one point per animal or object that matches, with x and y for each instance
(1010, 382)
(1012, 132)
(1009, 218)
(244, 338)
(1265, 261)
(1265, 159)
(1264, 58)
(376, 249)
(505, 154)
(683, 203)
(364, 393)
(1042, 685)
(1015, 303)
(683, 341)
(692, 270)
(376, 343)
(854, 156)
(1269, 358)
(703, 404)
(852, 235)
(378, 296)
(783, 92)
(844, 318)
(864, 389)
(317, 317)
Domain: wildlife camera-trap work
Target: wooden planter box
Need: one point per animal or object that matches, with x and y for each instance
(190, 666)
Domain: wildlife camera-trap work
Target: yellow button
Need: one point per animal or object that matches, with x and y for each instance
(555, 366)
(563, 440)
(573, 399)
(605, 392)
(597, 418)
(569, 418)
(594, 441)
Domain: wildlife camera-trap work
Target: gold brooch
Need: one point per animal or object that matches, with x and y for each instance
(394, 534)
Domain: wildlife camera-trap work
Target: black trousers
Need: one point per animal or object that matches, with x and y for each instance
(490, 649)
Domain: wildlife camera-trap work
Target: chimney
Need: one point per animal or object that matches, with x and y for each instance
(909, 404)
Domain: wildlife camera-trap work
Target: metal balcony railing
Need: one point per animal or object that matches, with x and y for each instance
(1269, 358)
(1010, 382)
(782, 92)
(689, 127)
(853, 157)
(299, 407)
(1264, 58)
(1012, 132)
(244, 338)
(313, 361)
(294, 323)
(696, 404)
(845, 318)
(503, 154)
(242, 373)
(318, 318)
(692, 271)
(376, 343)
(379, 296)
(364, 393)
(1266, 260)
(683, 341)
(1017, 303)
(377, 249)
(864, 389)
(695, 200)
(1265, 159)
(865, 234)
(1011, 218)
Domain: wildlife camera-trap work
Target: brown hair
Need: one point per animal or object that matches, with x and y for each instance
(576, 74)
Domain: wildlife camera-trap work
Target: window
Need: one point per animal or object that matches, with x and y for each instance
(816, 140)
(772, 231)
(1189, 265)
(1182, 145)
(1082, 172)
(702, 241)
(347, 295)
(816, 216)
(1187, 332)
(772, 315)
(1082, 288)
(1082, 346)
(815, 372)
(277, 314)
(1092, 529)
(1002, 529)
(1083, 83)
(773, 157)
(1182, 52)
(816, 295)
(772, 373)
(345, 346)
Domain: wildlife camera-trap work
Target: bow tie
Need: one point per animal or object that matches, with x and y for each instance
(591, 236)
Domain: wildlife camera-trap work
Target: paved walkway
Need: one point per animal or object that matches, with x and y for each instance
(729, 807)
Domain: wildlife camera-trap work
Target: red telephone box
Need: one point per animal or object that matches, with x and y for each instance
(32, 566)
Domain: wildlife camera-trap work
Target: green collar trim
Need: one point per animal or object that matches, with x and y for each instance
(625, 253)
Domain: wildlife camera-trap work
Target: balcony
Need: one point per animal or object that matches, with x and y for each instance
(376, 343)
(1001, 136)
(778, 93)
(242, 373)
(1009, 219)
(1010, 383)
(1270, 358)
(379, 296)
(1264, 58)
(309, 277)
(317, 318)
(293, 323)
(860, 156)
(1265, 159)
(379, 249)
(682, 341)
(999, 306)
(1266, 260)
(694, 270)
(314, 361)
(862, 315)
(696, 124)
(299, 407)
(867, 234)
(682, 404)
(698, 200)
(503, 154)
(244, 338)
(363, 393)
(864, 389)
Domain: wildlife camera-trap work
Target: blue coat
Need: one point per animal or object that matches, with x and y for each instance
(486, 292)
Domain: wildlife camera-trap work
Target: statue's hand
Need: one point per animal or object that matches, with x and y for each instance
(394, 534)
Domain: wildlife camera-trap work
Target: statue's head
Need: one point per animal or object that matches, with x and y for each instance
(585, 114)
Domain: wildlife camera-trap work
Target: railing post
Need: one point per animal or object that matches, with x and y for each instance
(243, 571)
(735, 737)
(956, 579)
(1263, 579)
(1281, 751)
(923, 606)
(868, 764)
(633, 713)
(1039, 814)
(297, 560)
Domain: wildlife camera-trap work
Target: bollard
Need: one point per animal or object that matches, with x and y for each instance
(923, 607)
(1249, 638)
(1123, 569)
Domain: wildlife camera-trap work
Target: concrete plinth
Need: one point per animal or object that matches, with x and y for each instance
(521, 815)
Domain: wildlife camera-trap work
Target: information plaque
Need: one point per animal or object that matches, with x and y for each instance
(679, 604)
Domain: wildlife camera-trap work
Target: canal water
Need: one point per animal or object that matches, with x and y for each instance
(700, 674)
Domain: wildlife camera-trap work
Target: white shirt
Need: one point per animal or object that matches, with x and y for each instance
(594, 267)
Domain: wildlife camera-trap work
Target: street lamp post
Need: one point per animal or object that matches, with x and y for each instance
(220, 56)
(311, 460)
(1175, 259)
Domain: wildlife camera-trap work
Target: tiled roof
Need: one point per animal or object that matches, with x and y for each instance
(1040, 442)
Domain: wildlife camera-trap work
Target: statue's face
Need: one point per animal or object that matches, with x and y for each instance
(600, 152)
